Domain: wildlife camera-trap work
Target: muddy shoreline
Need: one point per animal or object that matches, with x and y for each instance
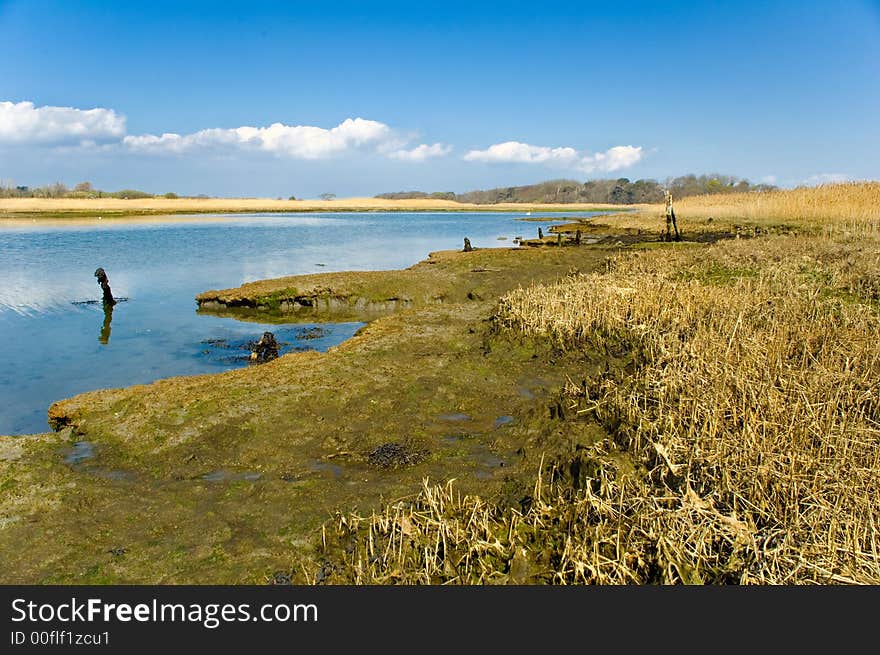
(238, 471)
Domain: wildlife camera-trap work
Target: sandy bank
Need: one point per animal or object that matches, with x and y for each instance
(116, 207)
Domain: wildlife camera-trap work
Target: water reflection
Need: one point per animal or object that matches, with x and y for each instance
(104, 337)
(164, 265)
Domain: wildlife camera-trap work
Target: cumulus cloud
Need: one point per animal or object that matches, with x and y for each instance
(612, 159)
(422, 152)
(516, 152)
(298, 141)
(24, 123)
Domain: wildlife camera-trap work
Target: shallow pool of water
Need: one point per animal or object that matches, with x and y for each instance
(56, 344)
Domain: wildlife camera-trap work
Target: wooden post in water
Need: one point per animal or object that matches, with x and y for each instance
(540, 233)
(108, 299)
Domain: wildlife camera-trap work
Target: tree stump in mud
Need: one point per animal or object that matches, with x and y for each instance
(266, 349)
(559, 238)
(105, 287)
(467, 245)
(577, 237)
(540, 233)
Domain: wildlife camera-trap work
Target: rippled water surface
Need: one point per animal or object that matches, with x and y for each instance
(56, 345)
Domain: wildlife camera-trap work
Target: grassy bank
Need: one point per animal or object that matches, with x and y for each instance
(754, 408)
(829, 209)
(743, 437)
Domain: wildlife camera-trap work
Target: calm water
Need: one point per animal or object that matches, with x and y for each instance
(56, 348)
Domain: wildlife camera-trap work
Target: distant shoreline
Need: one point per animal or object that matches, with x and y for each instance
(107, 208)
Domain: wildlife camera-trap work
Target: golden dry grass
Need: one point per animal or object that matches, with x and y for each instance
(83, 206)
(744, 435)
(830, 208)
(751, 420)
(852, 205)
(757, 393)
(602, 534)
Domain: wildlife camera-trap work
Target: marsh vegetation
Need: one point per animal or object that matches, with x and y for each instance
(743, 438)
(626, 412)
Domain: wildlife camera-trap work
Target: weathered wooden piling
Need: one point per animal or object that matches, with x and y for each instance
(266, 349)
(671, 224)
(105, 287)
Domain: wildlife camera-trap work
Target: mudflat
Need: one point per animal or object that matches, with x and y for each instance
(226, 478)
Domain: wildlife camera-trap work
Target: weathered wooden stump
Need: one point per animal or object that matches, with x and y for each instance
(266, 349)
(577, 237)
(467, 245)
(540, 233)
(105, 287)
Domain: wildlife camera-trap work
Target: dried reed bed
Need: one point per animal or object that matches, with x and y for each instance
(749, 421)
(831, 208)
(604, 533)
(757, 392)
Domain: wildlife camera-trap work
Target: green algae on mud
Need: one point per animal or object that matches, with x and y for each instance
(444, 278)
(225, 478)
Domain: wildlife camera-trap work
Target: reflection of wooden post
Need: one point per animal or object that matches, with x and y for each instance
(104, 338)
(670, 219)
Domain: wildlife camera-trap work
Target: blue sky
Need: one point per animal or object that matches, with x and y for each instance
(450, 96)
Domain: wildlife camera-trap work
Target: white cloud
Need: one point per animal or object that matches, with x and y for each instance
(612, 159)
(298, 141)
(516, 152)
(422, 152)
(826, 178)
(23, 123)
(768, 179)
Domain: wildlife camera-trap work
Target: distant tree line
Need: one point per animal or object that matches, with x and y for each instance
(9, 189)
(414, 195)
(621, 191)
